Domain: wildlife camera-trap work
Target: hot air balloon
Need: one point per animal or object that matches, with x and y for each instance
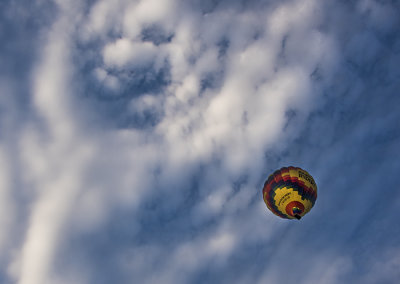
(290, 192)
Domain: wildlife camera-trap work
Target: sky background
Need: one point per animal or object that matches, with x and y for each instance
(135, 138)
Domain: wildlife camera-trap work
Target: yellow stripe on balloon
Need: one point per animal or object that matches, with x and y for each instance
(285, 195)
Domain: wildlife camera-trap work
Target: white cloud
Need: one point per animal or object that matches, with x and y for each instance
(124, 52)
(103, 17)
(292, 16)
(111, 82)
(154, 11)
(198, 166)
(144, 13)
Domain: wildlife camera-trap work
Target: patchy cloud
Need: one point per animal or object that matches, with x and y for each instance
(135, 137)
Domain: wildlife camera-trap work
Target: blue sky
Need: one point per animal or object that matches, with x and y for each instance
(135, 137)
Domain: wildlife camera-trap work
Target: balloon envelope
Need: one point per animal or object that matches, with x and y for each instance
(290, 192)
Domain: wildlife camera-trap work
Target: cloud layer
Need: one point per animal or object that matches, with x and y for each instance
(136, 135)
